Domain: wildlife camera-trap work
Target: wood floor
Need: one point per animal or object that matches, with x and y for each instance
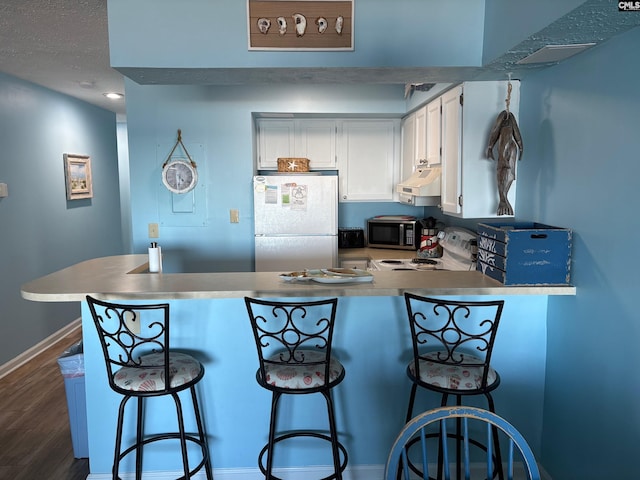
(35, 440)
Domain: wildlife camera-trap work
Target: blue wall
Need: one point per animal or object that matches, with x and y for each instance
(173, 34)
(41, 231)
(580, 170)
(217, 128)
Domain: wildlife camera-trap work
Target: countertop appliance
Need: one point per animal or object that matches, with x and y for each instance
(393, 231)
(422, 188)
(296, 222)
(350, 237)
(459, 250)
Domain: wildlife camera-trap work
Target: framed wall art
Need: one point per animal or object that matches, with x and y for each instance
(300, 24)
(77, 170)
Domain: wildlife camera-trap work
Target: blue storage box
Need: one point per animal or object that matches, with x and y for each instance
(525, 253)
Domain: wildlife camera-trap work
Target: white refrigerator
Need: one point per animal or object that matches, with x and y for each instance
(296, 222)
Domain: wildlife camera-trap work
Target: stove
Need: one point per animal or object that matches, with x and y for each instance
(457, 254)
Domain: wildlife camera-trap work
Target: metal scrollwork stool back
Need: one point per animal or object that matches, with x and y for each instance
(294, 340)
(140, 365)
(452, 345)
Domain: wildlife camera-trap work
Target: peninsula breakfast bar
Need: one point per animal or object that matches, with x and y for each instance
(371, 338)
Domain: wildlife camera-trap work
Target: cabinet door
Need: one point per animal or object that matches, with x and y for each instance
(421, 137)
(451, 160)
(276, 138)
(408, 132)
(316, 140)
(483, 102)
(434, 132)
(368, 169)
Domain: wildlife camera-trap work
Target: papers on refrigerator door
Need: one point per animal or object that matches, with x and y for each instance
(292, 195)
(298, 195)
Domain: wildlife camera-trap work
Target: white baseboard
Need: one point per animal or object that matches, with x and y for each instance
(364, 472)
(48, 342)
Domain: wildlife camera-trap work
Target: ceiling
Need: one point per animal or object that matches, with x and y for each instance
(63, 45)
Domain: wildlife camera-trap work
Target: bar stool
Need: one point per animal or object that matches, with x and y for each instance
(452, 345)
(140, 364)
(293, 340)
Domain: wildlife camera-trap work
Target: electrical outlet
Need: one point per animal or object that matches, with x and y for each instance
(234, 216)
(154, 232)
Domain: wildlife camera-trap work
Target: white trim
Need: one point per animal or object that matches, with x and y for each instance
(31, 353)
(363, 472)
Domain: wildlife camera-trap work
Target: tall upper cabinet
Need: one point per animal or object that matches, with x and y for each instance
(469, 179)
(367, 153)
(421, 138)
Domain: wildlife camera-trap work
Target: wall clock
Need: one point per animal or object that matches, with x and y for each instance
(180, 175)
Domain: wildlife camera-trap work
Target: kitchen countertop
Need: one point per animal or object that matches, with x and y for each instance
(125, 277)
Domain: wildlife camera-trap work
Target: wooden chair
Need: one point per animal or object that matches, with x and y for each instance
(414, 445)
(141, 365)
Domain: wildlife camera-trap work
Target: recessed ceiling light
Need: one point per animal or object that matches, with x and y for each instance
(555, 53)
(113, 95)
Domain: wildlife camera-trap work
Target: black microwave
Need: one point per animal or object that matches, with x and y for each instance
(393, 232)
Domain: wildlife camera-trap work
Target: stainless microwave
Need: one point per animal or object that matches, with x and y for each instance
(390, 231)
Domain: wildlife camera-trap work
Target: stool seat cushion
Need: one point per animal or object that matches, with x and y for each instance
(301, 376)
(451, 375)
(149, 375)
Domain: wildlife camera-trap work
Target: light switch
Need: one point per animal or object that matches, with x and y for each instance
(234, 216)
(153, 230)
(4, 190)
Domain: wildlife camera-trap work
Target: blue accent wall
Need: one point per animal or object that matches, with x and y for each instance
(217, 131)
(580, 170)
(202, 34)
(40, 230)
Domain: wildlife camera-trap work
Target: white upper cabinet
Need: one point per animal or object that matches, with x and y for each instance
(421, 137)
(316, 140)
(469, 179)
(451, 186)
(275, 138)
(312, 138)
(408, 133)
(434, 132)
(368, 150)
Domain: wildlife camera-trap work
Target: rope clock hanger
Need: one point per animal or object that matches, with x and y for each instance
(179, 175)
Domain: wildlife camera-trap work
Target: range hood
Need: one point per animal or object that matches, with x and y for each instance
(422, 188)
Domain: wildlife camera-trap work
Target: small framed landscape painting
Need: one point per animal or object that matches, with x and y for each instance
(77, 169)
